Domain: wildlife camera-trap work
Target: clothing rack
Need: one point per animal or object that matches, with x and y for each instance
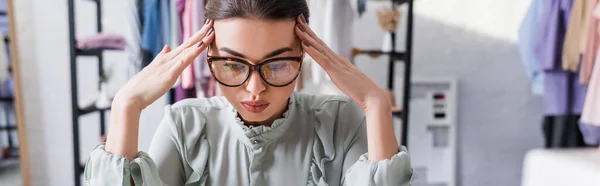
(12, 151)
(77, 111)
(395, 56)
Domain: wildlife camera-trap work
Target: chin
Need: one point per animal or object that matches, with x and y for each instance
(254, 117)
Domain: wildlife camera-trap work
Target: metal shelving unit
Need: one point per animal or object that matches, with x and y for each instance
(406, 58)
(75, 53)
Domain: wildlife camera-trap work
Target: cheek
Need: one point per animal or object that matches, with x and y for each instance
(232, 94)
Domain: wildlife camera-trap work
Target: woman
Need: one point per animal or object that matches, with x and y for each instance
(261, 132)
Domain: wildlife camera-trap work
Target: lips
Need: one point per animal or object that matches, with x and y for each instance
(255, 106)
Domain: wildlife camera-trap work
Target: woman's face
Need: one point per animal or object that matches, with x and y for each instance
(255, 41)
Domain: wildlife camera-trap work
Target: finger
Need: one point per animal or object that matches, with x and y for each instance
(309, 41)
(305, 28)
(159, 58)
(185, 58)
(165, 49)
(319, 57)
(192, 40)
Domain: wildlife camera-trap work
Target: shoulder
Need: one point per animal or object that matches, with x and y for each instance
(337, 112)
(194, 112)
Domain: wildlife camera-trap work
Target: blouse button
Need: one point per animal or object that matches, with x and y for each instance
(255, 142)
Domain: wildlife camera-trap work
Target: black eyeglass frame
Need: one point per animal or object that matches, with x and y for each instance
(298, 59)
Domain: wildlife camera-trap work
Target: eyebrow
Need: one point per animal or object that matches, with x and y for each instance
(270, 54)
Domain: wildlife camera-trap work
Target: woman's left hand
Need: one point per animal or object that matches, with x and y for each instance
(344, 75)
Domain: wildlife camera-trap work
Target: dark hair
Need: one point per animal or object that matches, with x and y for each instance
(256, 9)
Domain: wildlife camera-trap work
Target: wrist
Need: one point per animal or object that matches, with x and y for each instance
(126, 104)
(377, 100)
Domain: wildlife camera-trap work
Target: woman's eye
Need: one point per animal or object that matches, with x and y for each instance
(234, 66)
(277, 66)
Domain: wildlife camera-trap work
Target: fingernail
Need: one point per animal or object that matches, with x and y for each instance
(300, 27)
(201, 43)
(306, 43)
(207, 20)
(302, 18)
(210, 32)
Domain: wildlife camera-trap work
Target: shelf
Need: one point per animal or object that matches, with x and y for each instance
(8, 128)
(9, 153)
(395, 1)
(397, 112)
(396, 56)
(81, 168)
(7, 99)
(93, 52)
(90, 109)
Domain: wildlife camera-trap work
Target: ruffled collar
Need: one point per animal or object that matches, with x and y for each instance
(260, 134)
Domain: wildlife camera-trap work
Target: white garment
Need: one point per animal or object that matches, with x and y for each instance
(133, 37)
(332, 21)
(175, 31)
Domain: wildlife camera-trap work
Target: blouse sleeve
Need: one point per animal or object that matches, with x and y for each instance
(362, 171)
(165, 168)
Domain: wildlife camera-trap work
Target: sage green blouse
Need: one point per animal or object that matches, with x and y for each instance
(321, 140)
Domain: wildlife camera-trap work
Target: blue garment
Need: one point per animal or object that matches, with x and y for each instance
(152, 39)
(527, 33)
(362, 6)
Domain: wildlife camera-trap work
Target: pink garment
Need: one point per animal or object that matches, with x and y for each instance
(590, 74)
(593, 43)
(102, 41)
(187, 77)
(591, 107)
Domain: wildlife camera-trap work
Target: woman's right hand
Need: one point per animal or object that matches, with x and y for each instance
(158, 77)
(146, 87)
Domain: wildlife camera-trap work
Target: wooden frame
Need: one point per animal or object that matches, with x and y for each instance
(16, 70)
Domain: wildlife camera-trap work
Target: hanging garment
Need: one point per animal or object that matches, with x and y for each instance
(175, 30)
(152, 40)
(576, 35)
(332, 21)
(187, 77)
(201, 70)
(591, 107)
(102, 41)
(182, 93)
(361, 6)
(527, 33)
(592, 45)
(562, 132)
(563, 95)
(590, 133)
(175, 24)
(562, 92)
(133, 37)
(187, 88)
(165, 19)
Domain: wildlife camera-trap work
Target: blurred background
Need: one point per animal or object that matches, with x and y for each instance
(486, 92)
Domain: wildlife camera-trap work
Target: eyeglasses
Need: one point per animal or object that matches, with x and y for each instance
(276, 72)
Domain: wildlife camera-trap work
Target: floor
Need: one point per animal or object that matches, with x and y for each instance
(10, 173)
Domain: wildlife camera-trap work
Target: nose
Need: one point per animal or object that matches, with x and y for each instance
(255, 85)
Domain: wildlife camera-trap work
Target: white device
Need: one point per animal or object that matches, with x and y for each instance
(432, 131)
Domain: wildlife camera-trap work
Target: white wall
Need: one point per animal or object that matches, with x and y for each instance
(471, 39)
(475, 41)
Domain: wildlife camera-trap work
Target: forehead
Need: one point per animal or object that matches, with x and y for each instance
(255, 38)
